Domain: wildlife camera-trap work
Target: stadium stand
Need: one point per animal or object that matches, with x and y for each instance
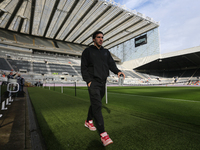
(171, 74)
(75, 47)
(40, 68)
(4, 65)
(63, 45)
(197, 73)
(62, 68)
(42, 42)
(7, 35)
(130, 74)
(19, 64)
(24, 39)
(58, 68)
(189, 73)
(146, 76)
(78, 69)
(42, 57)
(135, 74)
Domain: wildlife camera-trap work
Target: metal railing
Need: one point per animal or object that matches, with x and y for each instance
(6, 90)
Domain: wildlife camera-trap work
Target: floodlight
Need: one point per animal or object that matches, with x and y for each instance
(105, 3)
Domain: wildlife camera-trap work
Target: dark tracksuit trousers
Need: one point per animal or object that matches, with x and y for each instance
(96, 92)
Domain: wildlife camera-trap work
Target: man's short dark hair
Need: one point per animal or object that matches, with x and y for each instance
(95, 34)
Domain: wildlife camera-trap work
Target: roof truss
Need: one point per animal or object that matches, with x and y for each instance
(74, 20)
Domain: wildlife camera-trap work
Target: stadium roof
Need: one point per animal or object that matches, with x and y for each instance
(74, 20)
(179, 60)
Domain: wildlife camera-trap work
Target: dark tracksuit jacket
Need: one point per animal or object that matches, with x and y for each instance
(96, 63)
(95, 66)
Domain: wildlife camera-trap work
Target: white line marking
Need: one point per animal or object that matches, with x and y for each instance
(156, 97)
(184, 100)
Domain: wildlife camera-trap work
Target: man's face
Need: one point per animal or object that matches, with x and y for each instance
(98, 40)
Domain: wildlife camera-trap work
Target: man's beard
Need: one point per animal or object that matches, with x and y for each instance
(98, 45)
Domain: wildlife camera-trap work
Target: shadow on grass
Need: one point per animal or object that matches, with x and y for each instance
(106, 108)
(48, 136)
(95, 145)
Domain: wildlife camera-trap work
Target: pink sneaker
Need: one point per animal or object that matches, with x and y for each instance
(105, 139)
(90, 125)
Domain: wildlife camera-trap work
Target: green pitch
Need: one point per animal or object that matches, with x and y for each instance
(135, 118)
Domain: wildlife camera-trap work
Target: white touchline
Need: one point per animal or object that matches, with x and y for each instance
(155, 97)
(185, 100)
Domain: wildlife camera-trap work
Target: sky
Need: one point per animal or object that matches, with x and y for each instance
(179, 21)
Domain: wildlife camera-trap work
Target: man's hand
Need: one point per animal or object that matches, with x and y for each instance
(119, 73)
(89, 84)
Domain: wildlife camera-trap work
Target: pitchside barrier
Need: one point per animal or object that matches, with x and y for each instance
(53, 86)
(3, 89)
(6, 90)
(74, 84)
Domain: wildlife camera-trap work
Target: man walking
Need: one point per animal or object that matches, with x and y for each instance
(95, 65)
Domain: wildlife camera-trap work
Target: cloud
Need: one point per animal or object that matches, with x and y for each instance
(134, 3)
(179, 21)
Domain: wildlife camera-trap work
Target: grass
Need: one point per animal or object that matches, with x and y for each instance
(135, 118)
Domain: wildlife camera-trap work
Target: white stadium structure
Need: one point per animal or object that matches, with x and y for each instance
(44, 40)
